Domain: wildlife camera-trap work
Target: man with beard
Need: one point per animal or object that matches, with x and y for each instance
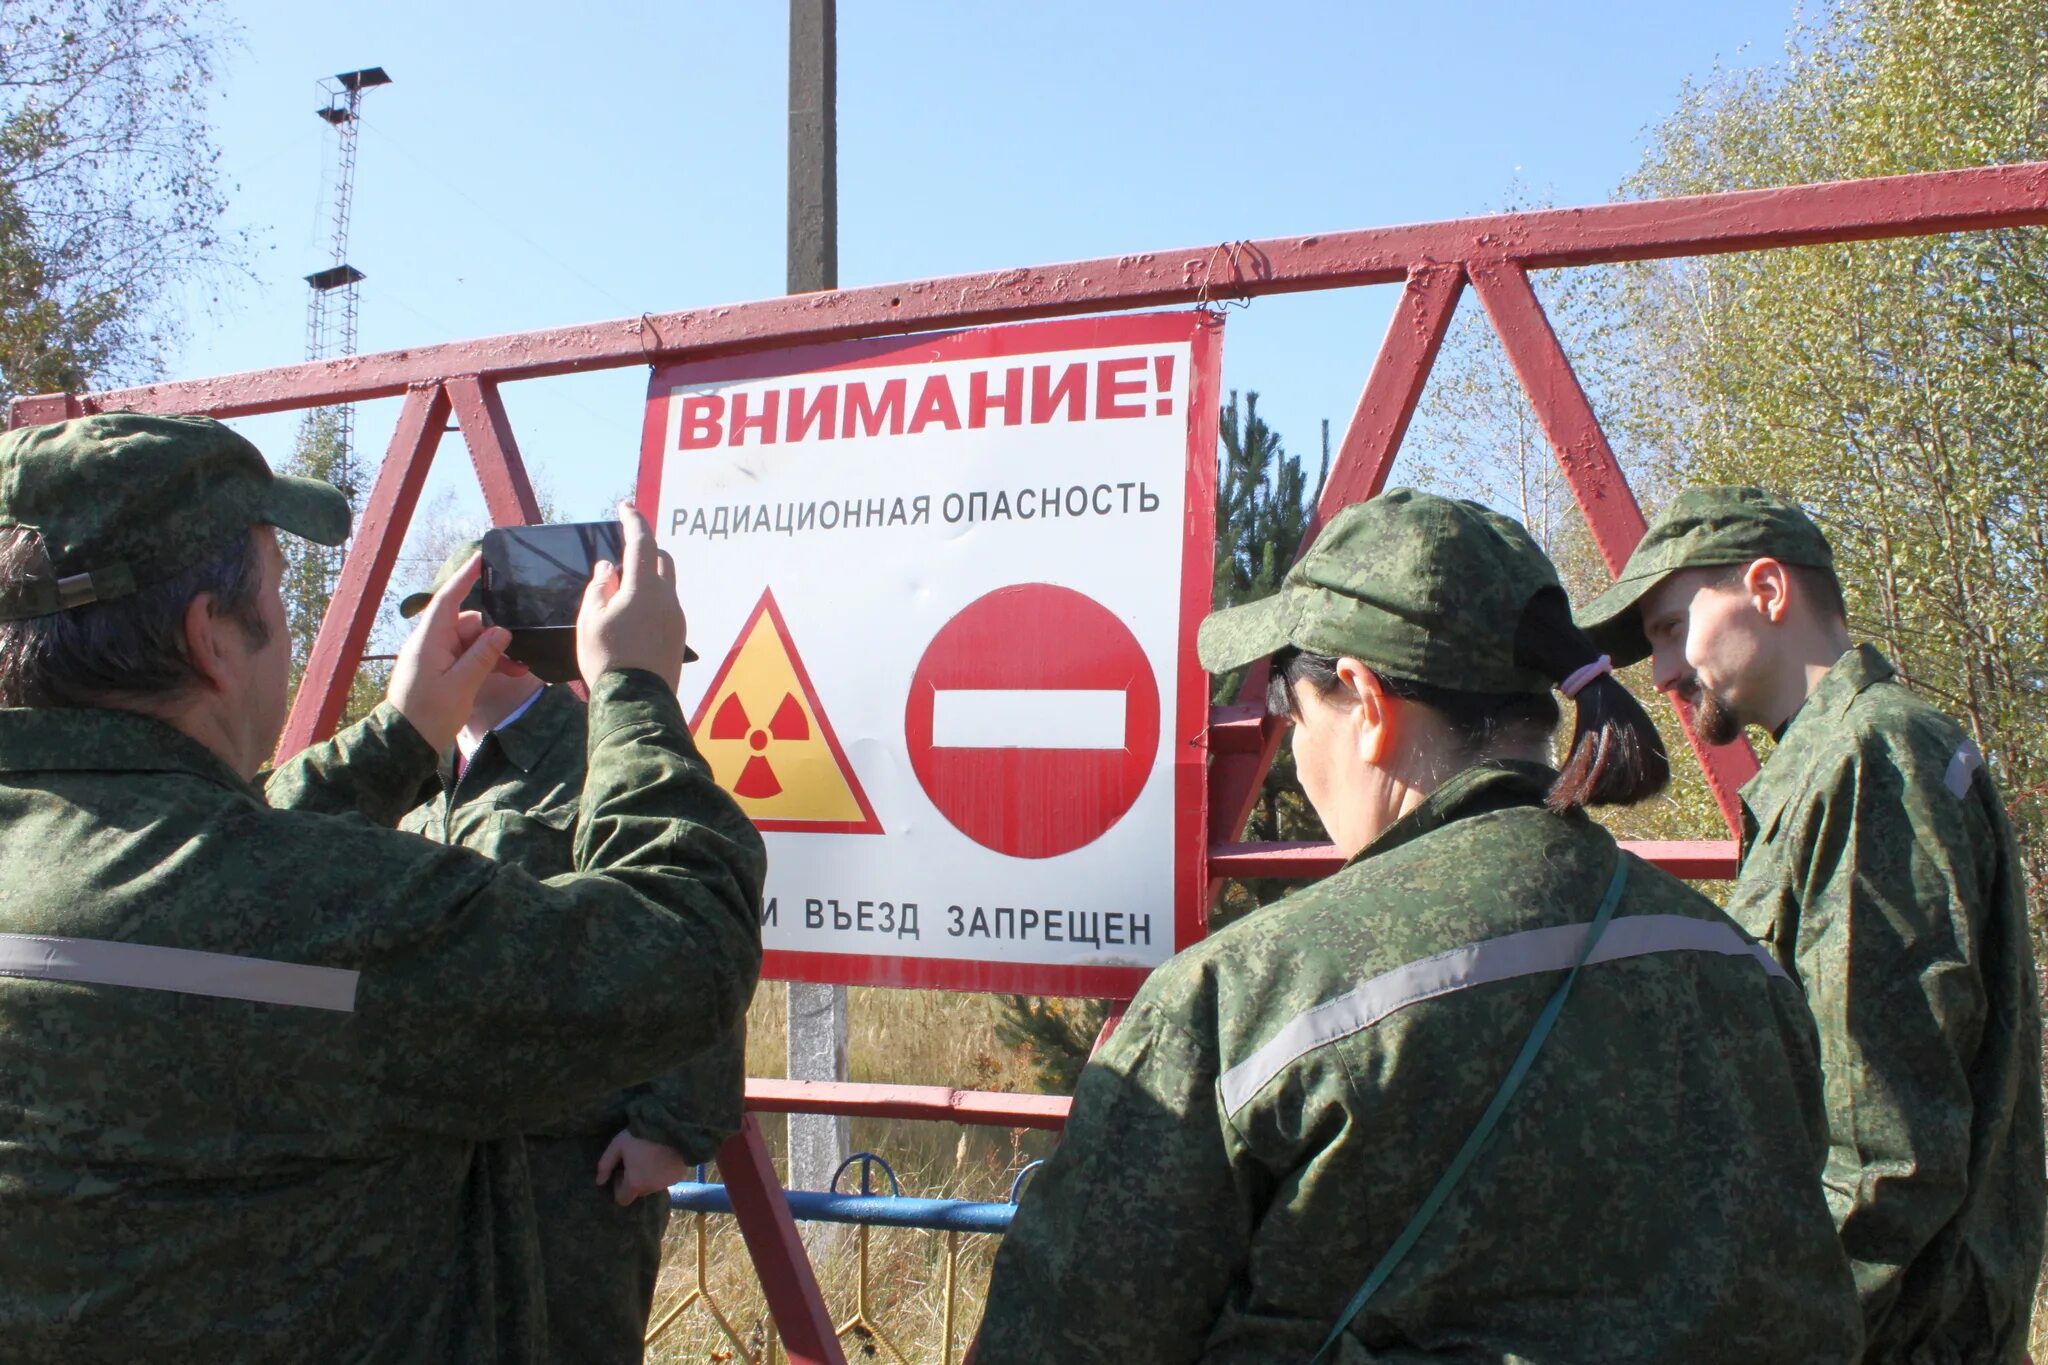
(1878, 865)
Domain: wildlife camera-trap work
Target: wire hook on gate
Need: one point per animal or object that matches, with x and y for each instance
(646, 327)
(1235, 253)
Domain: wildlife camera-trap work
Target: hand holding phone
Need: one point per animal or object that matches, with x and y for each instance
(443, 663)
(631, 617)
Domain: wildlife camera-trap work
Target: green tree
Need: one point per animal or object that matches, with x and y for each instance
(1057, 1033)
(1899, 389)
(311, 571)
(1264, 503)
(110, 192)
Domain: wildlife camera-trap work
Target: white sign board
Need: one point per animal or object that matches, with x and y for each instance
(945, 588)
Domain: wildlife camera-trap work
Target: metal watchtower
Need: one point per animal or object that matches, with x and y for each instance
(324, 338)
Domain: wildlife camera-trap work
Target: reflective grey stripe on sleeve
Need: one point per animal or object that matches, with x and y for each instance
(1478, 964)
(100, 962)
(1968, 758)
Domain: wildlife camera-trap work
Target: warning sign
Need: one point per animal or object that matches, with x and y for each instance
(769, 742)
(957, 579)
(1033, 720)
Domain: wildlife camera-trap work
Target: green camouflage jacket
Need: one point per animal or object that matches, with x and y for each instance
(1281, 1097)
(252, 1059)
(517, 802)
(1878, 865)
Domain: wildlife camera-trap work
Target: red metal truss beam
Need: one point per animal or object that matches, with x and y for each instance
(1595, 476)
(1561, 405)
(1701, 860)
(1415, 334)
(338, 649)
(40, 408)
(487, 431)
(777, 1249)
(1857, 210)
(1387, 403)
(936, 1103)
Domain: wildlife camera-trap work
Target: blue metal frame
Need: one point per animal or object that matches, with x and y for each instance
(881, 1210)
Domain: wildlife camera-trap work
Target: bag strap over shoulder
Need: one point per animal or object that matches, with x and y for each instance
(1481, 1131)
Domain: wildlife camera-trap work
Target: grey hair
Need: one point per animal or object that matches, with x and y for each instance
(132, 647)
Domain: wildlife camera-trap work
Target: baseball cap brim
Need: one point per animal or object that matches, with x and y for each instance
(413, 603)
(1236, 636)
(310, 508)
(1613, 622)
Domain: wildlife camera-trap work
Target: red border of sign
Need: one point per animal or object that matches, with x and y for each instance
(1186, 724)
(767, 605)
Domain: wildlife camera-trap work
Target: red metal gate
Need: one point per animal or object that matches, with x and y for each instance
(1433, 262)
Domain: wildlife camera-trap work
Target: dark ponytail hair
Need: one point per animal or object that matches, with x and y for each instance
(1616, 756)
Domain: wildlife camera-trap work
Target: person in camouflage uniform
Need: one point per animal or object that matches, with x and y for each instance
(258, 1064)
(1878, 865)
(511, 790)
(1275, 1119)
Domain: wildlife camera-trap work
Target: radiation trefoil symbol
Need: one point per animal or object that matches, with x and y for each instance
(757, 780)
(787, 771)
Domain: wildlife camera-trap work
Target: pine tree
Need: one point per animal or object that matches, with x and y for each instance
(1263, 507)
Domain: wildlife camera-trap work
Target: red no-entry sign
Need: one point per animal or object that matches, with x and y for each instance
(1033, 720)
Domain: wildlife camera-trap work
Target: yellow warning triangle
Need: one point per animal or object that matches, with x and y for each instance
(768, 741)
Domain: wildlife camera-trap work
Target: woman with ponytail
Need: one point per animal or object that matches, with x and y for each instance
(1494, 1091)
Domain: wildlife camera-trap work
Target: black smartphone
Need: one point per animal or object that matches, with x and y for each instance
(533, 583)
(534, 576)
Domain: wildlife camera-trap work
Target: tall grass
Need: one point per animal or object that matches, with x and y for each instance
(909, 1038)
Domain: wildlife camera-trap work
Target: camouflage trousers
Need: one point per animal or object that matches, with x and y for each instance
(600, 1261)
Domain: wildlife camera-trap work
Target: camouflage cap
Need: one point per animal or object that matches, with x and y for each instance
(1413, 585)
(124, 499)
(414, 603)
(1702, 528)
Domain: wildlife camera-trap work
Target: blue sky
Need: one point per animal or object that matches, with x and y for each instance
(534, 165)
